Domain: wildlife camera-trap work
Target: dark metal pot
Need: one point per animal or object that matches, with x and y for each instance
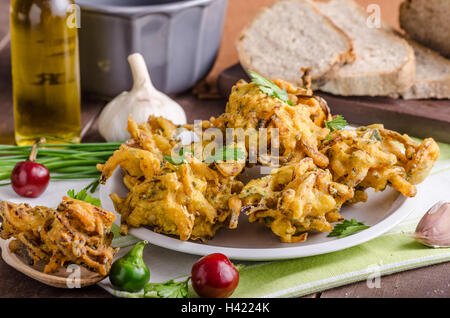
(178, 39)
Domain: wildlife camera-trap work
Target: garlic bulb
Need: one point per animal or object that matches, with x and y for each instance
(141, 102)
(434, 227)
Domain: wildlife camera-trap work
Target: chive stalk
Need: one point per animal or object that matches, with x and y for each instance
(64, 161)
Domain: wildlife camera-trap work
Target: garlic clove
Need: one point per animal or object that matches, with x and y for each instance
(141, 102)
(434, 228)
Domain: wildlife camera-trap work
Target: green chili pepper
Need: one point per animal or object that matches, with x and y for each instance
(129, 273)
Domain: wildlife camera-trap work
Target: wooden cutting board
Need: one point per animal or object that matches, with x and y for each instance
(418, 118)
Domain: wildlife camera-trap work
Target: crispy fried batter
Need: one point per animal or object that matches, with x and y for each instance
(319, 170)
(190, 200)
(371, 157)
(301, 127)
(294, 200)
(141, 156)
(76, 232)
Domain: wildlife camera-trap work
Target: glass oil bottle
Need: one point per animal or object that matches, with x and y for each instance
(45, 70)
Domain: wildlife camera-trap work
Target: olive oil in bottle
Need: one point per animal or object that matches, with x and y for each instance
(45, 70)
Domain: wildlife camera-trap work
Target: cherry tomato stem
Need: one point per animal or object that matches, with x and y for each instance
(29, 178)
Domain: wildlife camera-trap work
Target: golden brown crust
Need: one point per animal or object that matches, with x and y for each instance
(320, 169)
(76, 232)
(191, 200)
(295, 199)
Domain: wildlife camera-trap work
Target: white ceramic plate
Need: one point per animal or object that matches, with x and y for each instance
(255, 242)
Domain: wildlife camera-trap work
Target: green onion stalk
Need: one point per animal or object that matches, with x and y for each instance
(64, 161)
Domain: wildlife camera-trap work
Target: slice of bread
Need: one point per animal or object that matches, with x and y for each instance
(385, 63)
(427, 22)
(291, 35)
(432, 75)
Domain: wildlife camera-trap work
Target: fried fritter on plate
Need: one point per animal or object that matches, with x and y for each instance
(191, 201)
(318, 170)
(191, 198)
(300, 127)
(142, 155)
(76, 232)
(294, 200)
(374, 157)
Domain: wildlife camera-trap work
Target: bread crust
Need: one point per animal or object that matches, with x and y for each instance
(375, 83)
(340, 60)
(427, 22)
(430, 88)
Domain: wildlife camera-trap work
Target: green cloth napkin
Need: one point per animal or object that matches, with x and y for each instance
(392, 252)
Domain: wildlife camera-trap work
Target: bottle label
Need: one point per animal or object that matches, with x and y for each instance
(49, 79)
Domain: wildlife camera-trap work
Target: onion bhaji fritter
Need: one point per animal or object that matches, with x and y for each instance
(319, 170)
(76, 232)
(374, 157)
(295, 199)
(301, 127)
(191, 199)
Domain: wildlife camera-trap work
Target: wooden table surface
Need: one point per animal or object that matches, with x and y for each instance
(432, 281)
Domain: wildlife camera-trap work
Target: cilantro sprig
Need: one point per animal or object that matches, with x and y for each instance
(347, 228)
(269, 87)
(83, 196)
(336, 124)
(227, 153)
(223, 154)
(170, 289)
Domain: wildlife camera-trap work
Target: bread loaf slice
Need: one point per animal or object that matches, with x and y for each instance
(428, 22)
(432, 75)
(291, 35)
(385, 63)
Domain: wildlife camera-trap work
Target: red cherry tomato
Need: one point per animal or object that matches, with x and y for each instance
(29, 179)
(214, 276)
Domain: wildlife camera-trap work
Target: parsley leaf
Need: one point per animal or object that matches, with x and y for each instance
(336, 124)
(348, 228)
(168, 289)
(227, 153)
(270, 88)
(180, 159)
(223, 154)
(83, 196)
